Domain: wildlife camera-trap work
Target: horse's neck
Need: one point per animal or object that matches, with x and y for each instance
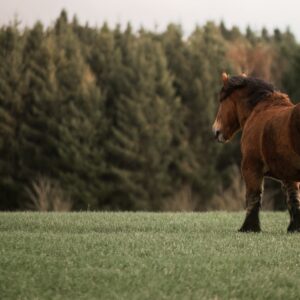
(277, 99)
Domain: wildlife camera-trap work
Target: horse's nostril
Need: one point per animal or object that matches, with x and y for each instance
(216, 133)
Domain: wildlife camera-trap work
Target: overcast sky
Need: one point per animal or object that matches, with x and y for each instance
(151, 13)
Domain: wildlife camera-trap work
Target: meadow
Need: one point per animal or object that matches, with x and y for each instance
(90, 255)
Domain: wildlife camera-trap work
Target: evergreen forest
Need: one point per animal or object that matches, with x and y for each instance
(114, 118)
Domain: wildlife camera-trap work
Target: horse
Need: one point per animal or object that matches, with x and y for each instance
(270, 141)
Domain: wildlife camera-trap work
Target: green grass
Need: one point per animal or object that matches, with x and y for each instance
(146, 256)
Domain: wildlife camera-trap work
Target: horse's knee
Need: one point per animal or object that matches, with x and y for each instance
(253, 201)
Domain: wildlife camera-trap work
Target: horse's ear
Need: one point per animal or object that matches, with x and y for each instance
(225, 78)
(244, 74)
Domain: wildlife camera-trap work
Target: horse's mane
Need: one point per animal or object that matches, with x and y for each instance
(257, 89)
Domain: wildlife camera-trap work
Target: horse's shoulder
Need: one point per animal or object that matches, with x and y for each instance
(254, 130)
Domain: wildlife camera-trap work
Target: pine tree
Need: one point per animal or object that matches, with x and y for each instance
(291, 81)
(81, 124)
(207, 60)
(140, 152)
(185, 165)
(251, 36)
(285, 65)
(37, 130)
(10, 112)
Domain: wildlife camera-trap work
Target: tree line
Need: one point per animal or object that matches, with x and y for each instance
(120, 119)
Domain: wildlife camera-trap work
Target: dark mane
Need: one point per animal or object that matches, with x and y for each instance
(257, 89)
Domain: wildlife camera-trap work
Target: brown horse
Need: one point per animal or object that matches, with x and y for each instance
(270, 142)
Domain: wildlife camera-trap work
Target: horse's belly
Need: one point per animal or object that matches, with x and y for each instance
(282, 169)
(280, 158)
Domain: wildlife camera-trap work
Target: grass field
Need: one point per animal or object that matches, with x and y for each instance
(146, 256)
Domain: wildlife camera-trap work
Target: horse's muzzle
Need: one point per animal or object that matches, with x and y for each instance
(218, 135)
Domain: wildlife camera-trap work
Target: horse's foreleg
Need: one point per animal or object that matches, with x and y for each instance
(293, 203)
(254, 181)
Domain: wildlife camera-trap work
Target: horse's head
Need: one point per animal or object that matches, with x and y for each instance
(238, 96)
(226, 123)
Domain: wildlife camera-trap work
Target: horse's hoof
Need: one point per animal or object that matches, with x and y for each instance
(293, 229)
(250, 229)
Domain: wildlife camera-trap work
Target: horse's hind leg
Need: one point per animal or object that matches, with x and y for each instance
(293, 203)
(254, 181)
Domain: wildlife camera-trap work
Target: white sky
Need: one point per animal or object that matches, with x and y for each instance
(151, 13)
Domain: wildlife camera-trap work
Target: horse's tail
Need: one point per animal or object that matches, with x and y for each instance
(295, 128)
